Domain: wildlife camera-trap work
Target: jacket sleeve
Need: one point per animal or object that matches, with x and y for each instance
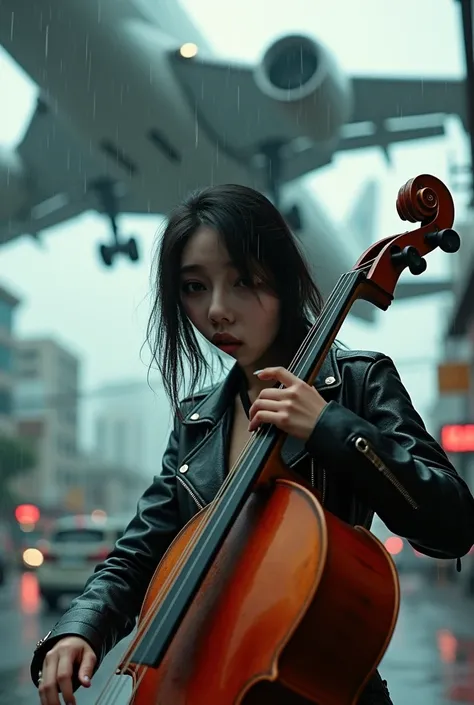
(396, 465)
(107, 609)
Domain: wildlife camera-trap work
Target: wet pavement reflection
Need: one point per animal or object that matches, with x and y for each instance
(430, 660)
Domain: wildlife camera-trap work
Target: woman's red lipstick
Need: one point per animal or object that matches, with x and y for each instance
(226, 342)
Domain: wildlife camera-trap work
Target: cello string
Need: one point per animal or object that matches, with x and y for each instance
(320, 324)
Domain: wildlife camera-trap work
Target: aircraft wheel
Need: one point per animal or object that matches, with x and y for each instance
(133, 249)
(106, 255)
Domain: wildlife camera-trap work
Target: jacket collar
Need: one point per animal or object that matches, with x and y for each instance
(213, 406)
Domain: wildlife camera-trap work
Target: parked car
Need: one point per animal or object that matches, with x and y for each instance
(74, 547)
(4, 564)
(6, 552)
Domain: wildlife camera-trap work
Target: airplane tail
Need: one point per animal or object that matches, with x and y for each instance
(331, 250)
(362, 218)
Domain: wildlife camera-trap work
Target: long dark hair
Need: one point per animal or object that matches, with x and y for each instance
(258, 241)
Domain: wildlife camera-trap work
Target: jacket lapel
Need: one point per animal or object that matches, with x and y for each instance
(206, 464)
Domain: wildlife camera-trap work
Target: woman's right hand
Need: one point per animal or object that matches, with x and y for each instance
(58, 668)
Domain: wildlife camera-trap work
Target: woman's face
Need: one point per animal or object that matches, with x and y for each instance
(220, 303)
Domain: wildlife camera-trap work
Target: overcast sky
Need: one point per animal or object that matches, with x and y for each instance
(100, 314)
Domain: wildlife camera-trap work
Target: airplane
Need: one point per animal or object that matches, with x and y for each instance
(135, 110)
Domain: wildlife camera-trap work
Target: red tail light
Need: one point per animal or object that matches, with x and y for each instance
(100, 556)
(394, 545)
(48, 557)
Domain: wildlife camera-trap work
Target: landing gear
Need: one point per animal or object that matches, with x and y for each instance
(108, 252)
(106, 193)
(271, 151)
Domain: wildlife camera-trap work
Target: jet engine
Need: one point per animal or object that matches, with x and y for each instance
(305, 79)
(13, 184)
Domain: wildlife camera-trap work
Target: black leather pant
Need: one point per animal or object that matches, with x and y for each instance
(376, 693)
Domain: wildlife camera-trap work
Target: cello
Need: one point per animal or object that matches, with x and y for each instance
(264, 584)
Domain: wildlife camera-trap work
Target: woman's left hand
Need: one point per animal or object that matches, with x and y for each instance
(294, 409)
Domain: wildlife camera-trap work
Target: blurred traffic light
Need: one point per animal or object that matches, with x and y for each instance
(27, 514)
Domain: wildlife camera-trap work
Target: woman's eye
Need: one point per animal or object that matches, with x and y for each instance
(191, 287)
(248, 282)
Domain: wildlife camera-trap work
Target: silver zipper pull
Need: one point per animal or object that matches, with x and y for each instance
(364, 447)
(41, 641)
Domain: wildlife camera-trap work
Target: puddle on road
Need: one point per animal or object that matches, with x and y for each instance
(16, 686)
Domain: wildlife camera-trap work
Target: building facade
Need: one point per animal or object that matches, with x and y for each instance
(46, 400)
(8, 305)
(453, 414)
(455, 405)
(108, 487)
(131, 426)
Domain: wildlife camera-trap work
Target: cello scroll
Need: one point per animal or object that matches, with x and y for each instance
(423, 199)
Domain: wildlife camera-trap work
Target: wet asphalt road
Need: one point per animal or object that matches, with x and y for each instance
(430, 660)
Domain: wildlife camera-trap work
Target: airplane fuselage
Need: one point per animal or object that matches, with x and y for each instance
(102, 67)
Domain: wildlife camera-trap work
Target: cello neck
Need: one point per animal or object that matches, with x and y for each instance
(311, 354)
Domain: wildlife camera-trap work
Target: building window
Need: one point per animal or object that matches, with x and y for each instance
(6, 358)
(5, 401)
(6, 315)
(70, 417)
(28, 363)
(29, 373)
(29, 397)
(120, 440)
(28, 354)
(66, 446)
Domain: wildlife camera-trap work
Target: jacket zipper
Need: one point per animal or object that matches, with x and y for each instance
(313, 484)
(189, 490)
(41, 641)
(364, 447)
(313, 481)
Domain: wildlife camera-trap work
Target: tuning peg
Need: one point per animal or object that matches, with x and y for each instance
(411, 258)
(447, 240)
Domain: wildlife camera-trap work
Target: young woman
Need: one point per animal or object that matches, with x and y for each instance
(230, 270)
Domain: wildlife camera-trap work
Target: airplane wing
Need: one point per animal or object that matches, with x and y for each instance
(59, 165)
(411, 289)
(235, 112)
(388, 110)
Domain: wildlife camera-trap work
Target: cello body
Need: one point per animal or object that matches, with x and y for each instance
(289, 599)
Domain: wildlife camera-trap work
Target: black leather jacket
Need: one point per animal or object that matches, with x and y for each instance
(403, 476)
